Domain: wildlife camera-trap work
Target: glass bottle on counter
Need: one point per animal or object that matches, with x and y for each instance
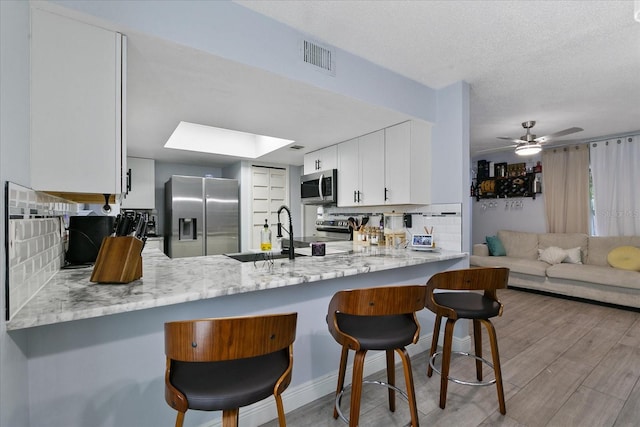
(265, 237)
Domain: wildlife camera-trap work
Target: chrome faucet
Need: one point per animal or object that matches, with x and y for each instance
(292, 254)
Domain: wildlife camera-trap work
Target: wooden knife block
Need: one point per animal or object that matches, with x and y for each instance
(119, 260)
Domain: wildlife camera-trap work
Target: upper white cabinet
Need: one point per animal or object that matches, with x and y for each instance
(389, 167)
(407, 168)
(77, 120)
(141, 184)
(360, 177)
(321, 160)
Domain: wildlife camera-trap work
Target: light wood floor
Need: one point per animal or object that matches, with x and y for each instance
(564, 363)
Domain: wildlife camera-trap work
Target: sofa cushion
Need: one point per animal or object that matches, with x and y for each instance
(625, 257)
(596, 274)
(552, 255)
(516, 265)
(519, 244)
(565, 241)
(495, 246)
(599, 248)
(480, 249)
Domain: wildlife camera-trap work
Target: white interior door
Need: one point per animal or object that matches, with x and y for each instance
(269, 192)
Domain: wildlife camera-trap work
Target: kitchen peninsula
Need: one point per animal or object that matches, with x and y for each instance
(70, 295)
(107, 340)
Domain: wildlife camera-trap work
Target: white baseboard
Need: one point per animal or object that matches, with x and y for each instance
(302, 394)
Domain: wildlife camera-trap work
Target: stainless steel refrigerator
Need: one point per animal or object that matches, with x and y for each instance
(202, 216)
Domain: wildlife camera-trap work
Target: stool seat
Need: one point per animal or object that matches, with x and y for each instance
(379, 332)
(468, 305)
(238, 382)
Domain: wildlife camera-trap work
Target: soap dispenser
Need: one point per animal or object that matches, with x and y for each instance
(265, 237)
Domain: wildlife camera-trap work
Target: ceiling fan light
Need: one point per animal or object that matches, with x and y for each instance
(528, 149)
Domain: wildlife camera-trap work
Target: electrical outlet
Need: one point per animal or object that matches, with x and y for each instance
(406, 218)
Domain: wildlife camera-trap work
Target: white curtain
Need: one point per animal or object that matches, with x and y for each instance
(615, 170)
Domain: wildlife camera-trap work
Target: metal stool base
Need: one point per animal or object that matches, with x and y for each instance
(387, 385)
(458, 381)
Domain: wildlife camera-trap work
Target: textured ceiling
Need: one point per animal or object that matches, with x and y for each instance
(561, 63)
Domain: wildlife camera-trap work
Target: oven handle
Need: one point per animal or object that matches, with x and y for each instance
(320, 186)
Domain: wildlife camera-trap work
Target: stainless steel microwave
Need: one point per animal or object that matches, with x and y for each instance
(319, 188)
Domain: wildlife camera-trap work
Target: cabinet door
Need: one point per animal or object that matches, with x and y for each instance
(348, 173)
(321, 160)
(142, 193)
(371, 156)
(310, 162)
(397, 170)
(76, 108)
(328, 158)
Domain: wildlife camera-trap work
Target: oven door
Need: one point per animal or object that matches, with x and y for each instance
(319, 188)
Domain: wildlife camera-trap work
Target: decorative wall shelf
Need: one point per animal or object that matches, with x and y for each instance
(507, 187)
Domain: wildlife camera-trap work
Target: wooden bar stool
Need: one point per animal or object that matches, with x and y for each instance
(226, 363)
(479, 307)
(375, 319)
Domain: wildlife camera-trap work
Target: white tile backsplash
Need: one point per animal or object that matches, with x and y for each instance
(446, 220)
(35, 244)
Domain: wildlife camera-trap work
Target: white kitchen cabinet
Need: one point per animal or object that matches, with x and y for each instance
(321, 160)
(408, 163)
(141, 192)
(348, 173)
(360, 170)
(388, 167)
(77, 120)
(371, 168)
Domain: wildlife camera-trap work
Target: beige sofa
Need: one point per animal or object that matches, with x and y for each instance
(594, 279)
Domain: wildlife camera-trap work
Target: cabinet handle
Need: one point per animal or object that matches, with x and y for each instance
(385, 194)
(354, 196)
(128, 180)
(358, 196)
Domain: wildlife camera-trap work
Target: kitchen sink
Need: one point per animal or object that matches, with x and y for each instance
(258, 256)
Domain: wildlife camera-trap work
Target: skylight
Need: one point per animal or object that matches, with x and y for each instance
(208, 139)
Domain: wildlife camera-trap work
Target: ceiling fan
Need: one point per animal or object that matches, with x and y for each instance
(529, 144)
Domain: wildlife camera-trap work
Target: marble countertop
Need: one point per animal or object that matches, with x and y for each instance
(69, 295)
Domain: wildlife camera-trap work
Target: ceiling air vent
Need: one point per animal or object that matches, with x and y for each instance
(319, 56)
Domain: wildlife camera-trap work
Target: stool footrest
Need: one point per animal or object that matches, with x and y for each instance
(459, 381)
(387, 385)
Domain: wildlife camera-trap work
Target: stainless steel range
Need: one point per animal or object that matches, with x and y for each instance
(337, 228)
(327, 230)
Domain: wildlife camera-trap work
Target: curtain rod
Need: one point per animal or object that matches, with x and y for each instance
(596, 139)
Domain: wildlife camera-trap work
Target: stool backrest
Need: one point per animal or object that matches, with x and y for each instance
(212, 340)
(487, 279)
(381, 301)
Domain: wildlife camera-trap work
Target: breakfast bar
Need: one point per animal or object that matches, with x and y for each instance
(70, 295)
(106, 340)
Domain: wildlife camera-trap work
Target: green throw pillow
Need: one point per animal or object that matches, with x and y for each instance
(495, 246)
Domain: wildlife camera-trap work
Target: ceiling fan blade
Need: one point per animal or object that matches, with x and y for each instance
(507, 138)
(558, 134)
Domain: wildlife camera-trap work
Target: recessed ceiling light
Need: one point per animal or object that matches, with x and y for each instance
(208, 139)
